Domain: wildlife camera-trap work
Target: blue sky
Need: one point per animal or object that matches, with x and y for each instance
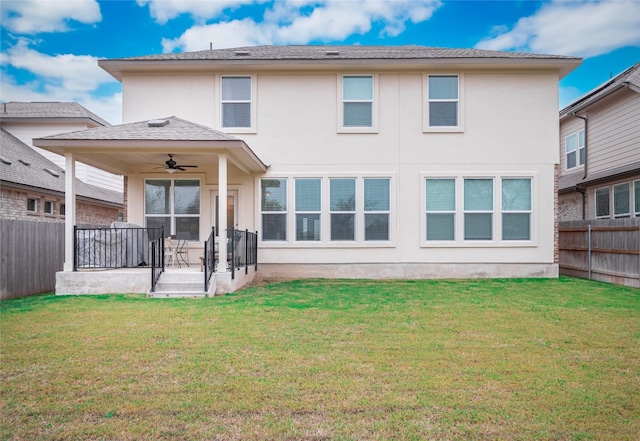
(50, 48)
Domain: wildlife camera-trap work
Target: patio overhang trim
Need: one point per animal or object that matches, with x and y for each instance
(85, 150)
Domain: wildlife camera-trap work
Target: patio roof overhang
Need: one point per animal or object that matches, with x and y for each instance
(128, 147)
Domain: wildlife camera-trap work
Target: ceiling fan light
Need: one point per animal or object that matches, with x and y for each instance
(170, 170)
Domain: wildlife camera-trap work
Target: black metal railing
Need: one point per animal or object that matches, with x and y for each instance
(243, 251)
(210, 258)
(157, 260)
(107, 248)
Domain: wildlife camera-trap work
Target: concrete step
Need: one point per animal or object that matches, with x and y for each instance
(163, 285)
(179, 285)
(177, 295)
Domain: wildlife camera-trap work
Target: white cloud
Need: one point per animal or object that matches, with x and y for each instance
(36, 16)
(164, 10)
(579, 28)
(301, 21)
(59, 78)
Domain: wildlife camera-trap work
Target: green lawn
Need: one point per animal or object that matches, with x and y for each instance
(319, 360)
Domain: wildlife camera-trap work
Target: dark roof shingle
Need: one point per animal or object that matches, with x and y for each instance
(35, 175)
(48, 110)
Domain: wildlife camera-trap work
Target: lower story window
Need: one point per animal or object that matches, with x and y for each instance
(175, 205)
(636, 197)
(621, 200)
(308, 209)
(473, 215)
(342, 196)
(273, 206)
(376, 209)
(48, 207)
(602, 202)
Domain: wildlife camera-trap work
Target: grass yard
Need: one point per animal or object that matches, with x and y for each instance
(328, 360)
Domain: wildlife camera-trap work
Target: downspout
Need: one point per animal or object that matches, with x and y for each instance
(586, 135)
(579, 188)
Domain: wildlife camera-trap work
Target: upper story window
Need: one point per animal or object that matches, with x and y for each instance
(574, 150)
(443, 103)
(236, 99)
(175, 205)
(357, 110)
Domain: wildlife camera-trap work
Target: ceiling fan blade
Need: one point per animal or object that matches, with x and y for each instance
(179, 167)
(190, 166)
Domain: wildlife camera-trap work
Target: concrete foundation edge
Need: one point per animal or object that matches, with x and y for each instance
(409, 270)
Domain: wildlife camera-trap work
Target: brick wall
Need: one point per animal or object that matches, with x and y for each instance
(570, 207)
(13, 205)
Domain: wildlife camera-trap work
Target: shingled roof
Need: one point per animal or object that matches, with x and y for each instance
(629, 78)
(20, 164)
(48, 111)
(329, 56)
(163, 129)
(331, 52)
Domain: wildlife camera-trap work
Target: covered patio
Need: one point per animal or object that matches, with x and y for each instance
(190, 180)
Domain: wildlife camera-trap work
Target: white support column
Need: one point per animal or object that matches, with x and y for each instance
(222, 213)
(70, 209)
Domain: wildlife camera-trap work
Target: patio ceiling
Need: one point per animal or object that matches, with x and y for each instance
(142, 146)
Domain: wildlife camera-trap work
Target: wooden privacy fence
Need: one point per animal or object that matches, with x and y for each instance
(31, 254)
(604, 249)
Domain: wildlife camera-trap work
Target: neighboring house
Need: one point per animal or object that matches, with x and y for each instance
(600, 151)
(28, 120)
(349, 161)
(33, 188)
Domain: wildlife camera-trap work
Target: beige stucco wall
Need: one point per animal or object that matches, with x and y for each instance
(510, 129)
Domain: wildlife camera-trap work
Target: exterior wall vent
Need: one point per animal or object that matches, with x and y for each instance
(52, 173)
(242, 53)
(332, 53)
(5, 160)
(158, 122)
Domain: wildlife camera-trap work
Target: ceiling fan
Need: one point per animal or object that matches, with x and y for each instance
(171, 166)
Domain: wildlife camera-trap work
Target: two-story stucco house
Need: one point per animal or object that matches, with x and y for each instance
(600, 151)
(349, 161)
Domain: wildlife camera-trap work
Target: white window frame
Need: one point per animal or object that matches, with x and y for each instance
(595, 200)
(426, 128)
(36, 202)
(374, 105)
(577, 148)
(615, 197)
(172, 215)
(365, 212)
(353, 212)
(303, 212)
(453, 212)
(529, 211)
(496, 230)
(51, 205)
(284, 212)
(636, 197)
(253, 127)
(492, 212)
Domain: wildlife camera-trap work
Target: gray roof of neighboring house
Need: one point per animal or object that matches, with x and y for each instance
(175, 129)
(629, 78)
(330, 52)
(29, 168)
(48, 110)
